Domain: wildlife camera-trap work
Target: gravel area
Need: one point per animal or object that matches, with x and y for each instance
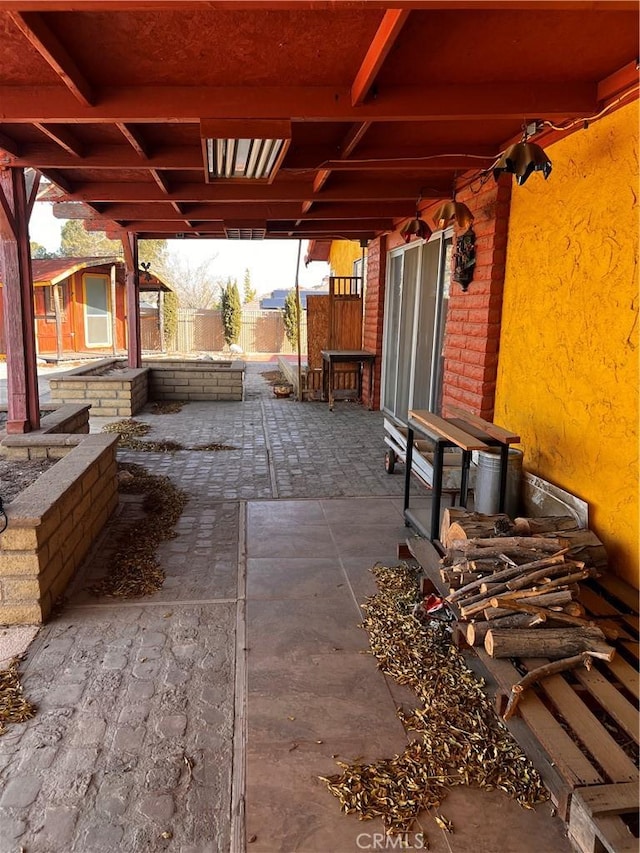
(17, 474)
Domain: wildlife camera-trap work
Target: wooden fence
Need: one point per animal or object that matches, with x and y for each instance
(202, 331)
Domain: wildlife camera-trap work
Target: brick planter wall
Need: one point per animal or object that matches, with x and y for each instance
(121, 394)
(52, 526)
(196, 380)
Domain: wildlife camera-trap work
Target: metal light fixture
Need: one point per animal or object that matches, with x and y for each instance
(522, 159)
(244, 150)
(450, 211)
(416, 227)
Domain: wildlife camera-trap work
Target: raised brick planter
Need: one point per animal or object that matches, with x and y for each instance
(123, 392)
(54, 522)
(119, 394)
(196, 380)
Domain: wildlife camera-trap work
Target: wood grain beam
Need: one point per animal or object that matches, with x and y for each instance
(174, 212)
(134, 139)
(158, 104)
(622, 79)
(352, 138)
(384, 39)
(160, 180)
(59, 134)
(49, 47)
(347, 190)
(9, 145)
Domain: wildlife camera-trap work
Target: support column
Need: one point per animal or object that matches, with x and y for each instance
(134, 345)
(16, 203)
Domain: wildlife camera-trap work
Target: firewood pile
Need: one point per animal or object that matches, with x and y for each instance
(515, 588)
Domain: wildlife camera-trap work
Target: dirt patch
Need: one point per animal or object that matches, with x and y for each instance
(273, 377)
(18, 474)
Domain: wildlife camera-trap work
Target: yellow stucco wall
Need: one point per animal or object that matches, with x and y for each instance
(568, 369)
(342, 255)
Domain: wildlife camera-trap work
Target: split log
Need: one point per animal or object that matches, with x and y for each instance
(508, 574)
(530, 578)
(507, 544)
(585, 545)
(462, 524)
(493, 588)
(475, 632)
(457, 579)
(490, 613)
(536, 675)
(549, 599)
(551, 643)
(544, 524)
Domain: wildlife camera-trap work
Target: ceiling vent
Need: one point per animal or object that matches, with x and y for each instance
(244, 232)
(243, 150)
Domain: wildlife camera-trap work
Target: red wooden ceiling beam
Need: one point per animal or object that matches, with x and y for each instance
(134, 139)
(160, 180)
(315, 5)
(212, 212)
(348, 189)
(383, 41)
(59, 134)
(621, 80)
(352, 138)
(158, 104)
(9, 145)
(48, 46)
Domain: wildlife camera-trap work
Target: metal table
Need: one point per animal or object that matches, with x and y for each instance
(331, 357)
(469, 433)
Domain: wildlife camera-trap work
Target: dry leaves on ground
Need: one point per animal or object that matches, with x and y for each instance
(14, 708)
(462, 740)
(135, 569)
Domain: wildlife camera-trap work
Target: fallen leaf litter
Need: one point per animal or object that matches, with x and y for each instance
(463, 742)
(14, 708)
(129, 429)
(135, 570)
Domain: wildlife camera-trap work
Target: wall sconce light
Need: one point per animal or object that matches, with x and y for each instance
(416, 227)
(450, 211)
(522, 159)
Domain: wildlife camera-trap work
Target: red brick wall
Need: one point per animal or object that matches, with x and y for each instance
(472, 333)
(374, 314)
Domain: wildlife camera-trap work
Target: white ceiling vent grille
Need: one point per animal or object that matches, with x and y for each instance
(245, 233)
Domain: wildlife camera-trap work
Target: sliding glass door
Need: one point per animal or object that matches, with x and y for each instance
(415, 311)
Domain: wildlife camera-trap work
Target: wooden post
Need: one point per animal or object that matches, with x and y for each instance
(55, 288)
(15, 261)
(114, 318)
(134, 346)
(298, 309)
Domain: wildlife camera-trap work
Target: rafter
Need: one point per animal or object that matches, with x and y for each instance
(160, 180)
(9, 145)
(158, 104)
(387, 33)
(134, 139)
(348, 189)
(211, 211)
(49, 47)
(352, 138)
(62, 137)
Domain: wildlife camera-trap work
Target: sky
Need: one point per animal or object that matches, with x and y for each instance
(272, 263)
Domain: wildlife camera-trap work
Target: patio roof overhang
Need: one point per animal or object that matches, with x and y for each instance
(386, 103)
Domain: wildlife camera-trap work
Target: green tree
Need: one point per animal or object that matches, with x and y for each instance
(170, 311)
(76, 242)
(39, 251)
(231, 311)
(290, 317)
(250, 292)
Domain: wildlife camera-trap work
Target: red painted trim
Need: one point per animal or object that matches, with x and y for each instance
(383, 41)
